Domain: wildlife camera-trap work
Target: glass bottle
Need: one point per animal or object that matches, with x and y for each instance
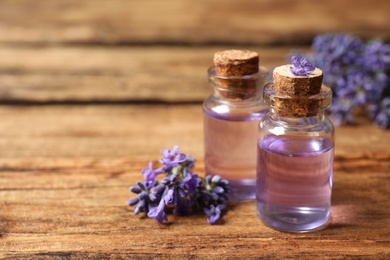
(231, 116)
(295, 161)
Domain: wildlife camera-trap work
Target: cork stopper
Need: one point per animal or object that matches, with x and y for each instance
(289, 84)
(298, 96)
(236, 63)
(297, 106)
(236, 72)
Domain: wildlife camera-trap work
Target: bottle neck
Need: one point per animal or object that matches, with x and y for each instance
(236, 90)
(297, 108)
(297, 121)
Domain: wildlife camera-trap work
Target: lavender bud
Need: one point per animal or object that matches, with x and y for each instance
(135, 189)
(143, 195)
(216, 179)
(141, 185)
(133, 201)
(140, 207)
(219, 189)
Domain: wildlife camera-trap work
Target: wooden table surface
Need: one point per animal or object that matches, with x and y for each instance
(90, 91)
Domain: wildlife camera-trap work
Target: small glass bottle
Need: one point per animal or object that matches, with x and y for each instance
(231, 116)
(295, 160)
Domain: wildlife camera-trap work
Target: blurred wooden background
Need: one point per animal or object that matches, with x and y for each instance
(133, 51)
(91, 90)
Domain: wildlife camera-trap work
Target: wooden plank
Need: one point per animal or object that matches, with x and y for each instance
(65, 172)
(101, 74)
(98, 131)
(112, 131)
(176, 21)
(77, 208)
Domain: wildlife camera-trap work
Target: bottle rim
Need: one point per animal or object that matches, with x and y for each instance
(297, 105)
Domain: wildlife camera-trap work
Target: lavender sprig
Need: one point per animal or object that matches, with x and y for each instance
(185, 190)
(142, 201)
(301, 67)
(357, 72)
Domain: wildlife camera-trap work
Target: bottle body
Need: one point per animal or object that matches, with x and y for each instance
(230, 134)
(294, 171)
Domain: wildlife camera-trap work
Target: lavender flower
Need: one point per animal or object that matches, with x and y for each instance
(190, 182)
(157, 192)
(376, 56)
(336, 53)
(218, 189)
(382, 117)
(301, 67)
(213, 214)
(142, 201)
(158, 212)
(342, 110)
(172, 158)
(168, 195)
(182, 202)
(180, 187)
(150, 174)
(358, 74)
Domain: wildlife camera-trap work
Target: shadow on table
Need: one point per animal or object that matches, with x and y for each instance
(345, 215)
(348, 208)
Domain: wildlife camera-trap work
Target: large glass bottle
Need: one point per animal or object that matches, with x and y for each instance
(295, 161)
(231, 116)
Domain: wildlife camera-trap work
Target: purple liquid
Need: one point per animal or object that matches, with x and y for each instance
(230, 151)
(294, 182)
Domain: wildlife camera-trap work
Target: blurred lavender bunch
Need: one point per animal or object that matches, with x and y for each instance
(358, 73)
(181, 189)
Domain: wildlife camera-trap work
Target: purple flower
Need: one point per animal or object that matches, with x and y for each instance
(190, 182)
(182, 203)
(141, 206)
(180, 187)
(301, 67)
(142, 203)
(214, 213)
(382, 117)
(172, 158)
(133, 201)
(169, 195)
(383, 120)
(189, 162)
(218, 187)
(142, 200)
(169, 179)
(376, 56)
(341, 110)
(150, 174)
(357, 73)
(157, 192)
(333, 52)
(158, 212)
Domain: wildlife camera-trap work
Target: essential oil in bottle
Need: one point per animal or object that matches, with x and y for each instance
(231, 117)
(295, 153)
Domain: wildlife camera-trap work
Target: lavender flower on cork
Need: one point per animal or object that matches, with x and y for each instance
(301, 67)
(294, 86)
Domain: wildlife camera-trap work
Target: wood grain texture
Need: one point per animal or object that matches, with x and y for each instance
(91, 90)
(111, 131)
(188, 22)
(65, 173)
(102, 74)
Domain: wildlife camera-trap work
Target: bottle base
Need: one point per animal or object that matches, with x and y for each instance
(242, 190)
(294, 219)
